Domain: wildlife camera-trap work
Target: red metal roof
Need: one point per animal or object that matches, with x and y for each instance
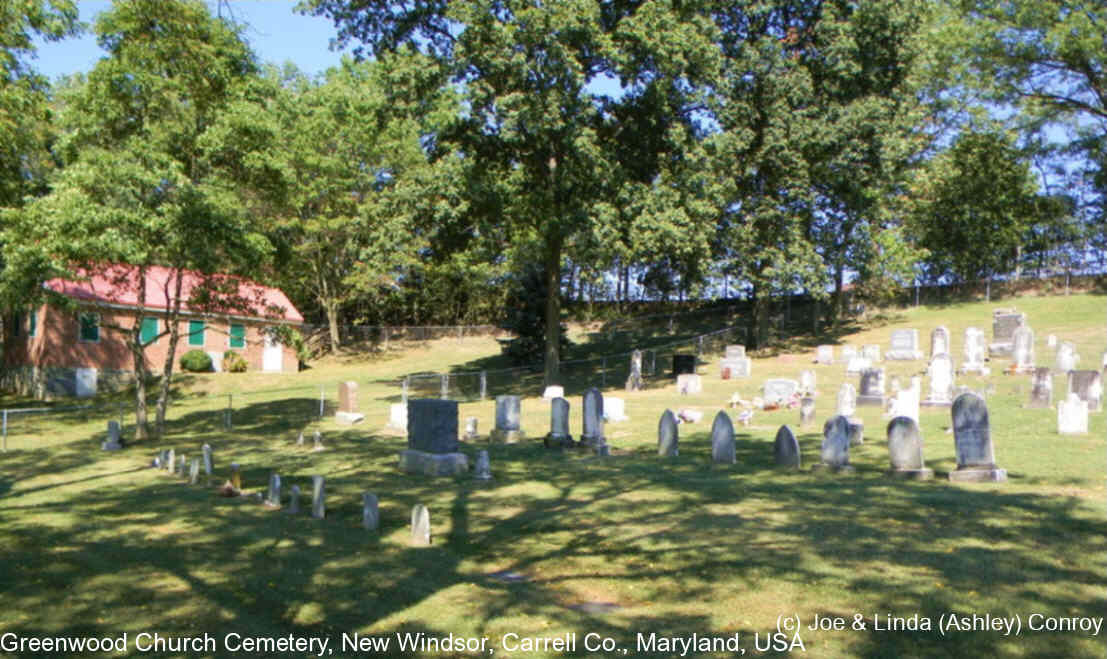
(221, 294)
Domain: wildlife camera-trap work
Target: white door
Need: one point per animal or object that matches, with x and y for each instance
(86, 382)
(272, 356)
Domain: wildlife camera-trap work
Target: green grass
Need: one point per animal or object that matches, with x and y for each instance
(96, 543)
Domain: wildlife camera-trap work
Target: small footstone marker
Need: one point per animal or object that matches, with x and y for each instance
(318, 505)
(786, 450)
(370, 512)
(294, 500)
(420, 526)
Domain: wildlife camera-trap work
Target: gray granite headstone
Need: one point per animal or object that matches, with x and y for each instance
(939, 341)
(508, 413)
(1072, 416)
(194, 472)
(1004, 324)
(972, 438)
(114, 441)
(779, 391)
(1041, 388)
(420, 526)
(1067, 358)
(835, 448)
(871, 352)
(1088, 387)
(668, 435)
(559, 424)
(634, 380)
(482, 471)
(786, 450)
(273, 496)
(592, 433)
(941, 381)
(807, 411)
(824, 354)
(904, 345)
(905, 449)
(974, 351)
(209, 465)
(735, 352)
(294, 500)
(318, 498)
(1024, 349)
(847, 400)
(723, 449)
(871, 391)
(432, 425)
(370, 511)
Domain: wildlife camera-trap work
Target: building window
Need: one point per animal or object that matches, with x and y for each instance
(32, 324)
(149, 331)
(196, 333)
(238, 335)
(90, 327)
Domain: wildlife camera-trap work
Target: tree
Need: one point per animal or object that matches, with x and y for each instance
(975, 206)
(148, 150)
(533, 115)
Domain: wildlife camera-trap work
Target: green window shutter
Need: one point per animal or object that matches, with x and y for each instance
(196, 333)
(238, 336)
(149, 331)
(32, 324)
(90, 327)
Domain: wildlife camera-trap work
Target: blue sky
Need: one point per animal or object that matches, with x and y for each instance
(275, 32)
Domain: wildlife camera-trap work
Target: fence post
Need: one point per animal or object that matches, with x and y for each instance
(483, 384)
(445, 386)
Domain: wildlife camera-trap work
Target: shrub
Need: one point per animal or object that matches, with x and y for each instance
(196, 361)
(234, 362)
(526, 318)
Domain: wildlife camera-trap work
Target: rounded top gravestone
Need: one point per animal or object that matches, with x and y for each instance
(786, 450)
(722, 439)
(668, 435)
(835, 448)
(593, 416)
(905, 444)
(972, 432)
(559, 418)
(508, 411)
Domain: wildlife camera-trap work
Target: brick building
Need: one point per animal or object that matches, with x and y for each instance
(52, 351)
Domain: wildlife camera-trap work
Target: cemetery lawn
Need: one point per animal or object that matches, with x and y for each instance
(97, 543)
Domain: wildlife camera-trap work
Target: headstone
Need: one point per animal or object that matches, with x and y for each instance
(634, 380)
(722, 440)
(807, 412)
(904, 345)
(508, 413)
(1067, 357)
(856, 432)
(905, 449)
(471, 428)
(824, 354)
(194, 472)
(483, 468)
(347, 404)
(300, 439)
(420, 526)
(432, 441)
(553, 391)
(370, 511)
(1088, 387)
(592, 424)
(941, 381)
(668, 435)
(397, 416)
(209, 465)
(1024, 349)
(847, 400)
(906, 403)
(735, 352)
(317, 441)
(273, 496)
(735, 367)
(848, 352)
(939, 341)
(1051, 342)
(318, 498)
(779, 391)
(974, 352)
(683, 364)
(856, 365)
(614, 410)
(835, 447)
(689, 383)
(972, 438)
(807, 382)
(1072, 416)
(1004, 324)
(871, 391)
(871, 352)
(114, 442)
(1041, 388)
(786, 450)
(294, 500)
(559, 424)
(171, 460)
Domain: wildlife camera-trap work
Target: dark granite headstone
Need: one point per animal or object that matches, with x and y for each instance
(1088, 386)
(592, 433)
(668, 435)
(871, 391)
(786, 450)
(1041, 388)
(722, 439)
(683, 364)
(972, 437)
(905, 449)
(432, 425)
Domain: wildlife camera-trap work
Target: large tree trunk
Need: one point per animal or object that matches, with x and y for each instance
(142, 430)
(837, 307)
(173, 318)
(553, 308)
(331, 307)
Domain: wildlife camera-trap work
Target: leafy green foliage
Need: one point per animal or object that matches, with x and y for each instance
(232, 362)
(525, 316)
(196, 361)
